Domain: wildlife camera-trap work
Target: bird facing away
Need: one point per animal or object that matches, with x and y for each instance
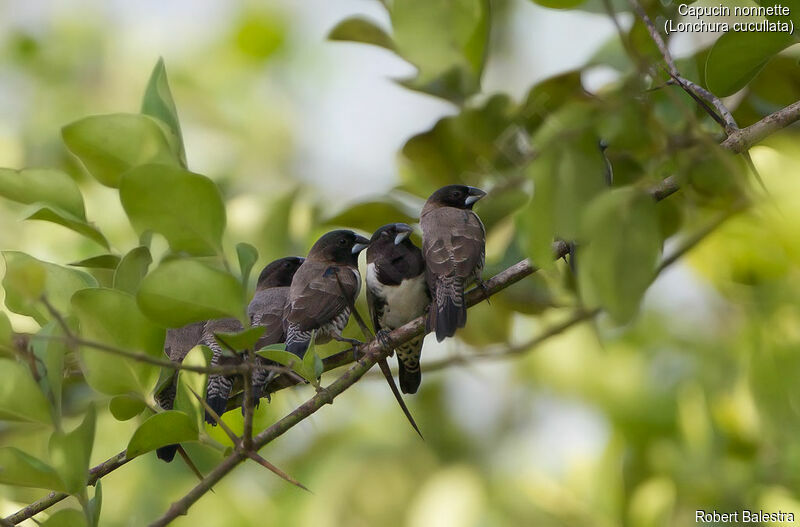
(453, 245)
(397, 293)
(322, 291)
(178, 343)
(266, 310)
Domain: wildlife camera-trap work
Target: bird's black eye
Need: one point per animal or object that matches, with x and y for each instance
(342, 241)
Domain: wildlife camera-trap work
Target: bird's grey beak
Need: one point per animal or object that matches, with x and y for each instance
(400, 237)
(403, 232)
(360, 245)
(474, 195)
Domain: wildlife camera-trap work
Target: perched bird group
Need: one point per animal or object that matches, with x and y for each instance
(296, 297)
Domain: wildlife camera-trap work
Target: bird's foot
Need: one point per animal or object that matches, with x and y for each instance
(484, 289)
(385, 340)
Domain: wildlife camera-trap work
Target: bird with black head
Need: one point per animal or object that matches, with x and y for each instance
(397, 293)
(323, 290)
(454, 247)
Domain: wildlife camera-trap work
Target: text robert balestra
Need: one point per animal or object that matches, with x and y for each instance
(744, 516)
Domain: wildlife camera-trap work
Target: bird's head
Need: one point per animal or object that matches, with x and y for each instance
(457, 196)
(279, 273)
(393, 233)
(341, 247)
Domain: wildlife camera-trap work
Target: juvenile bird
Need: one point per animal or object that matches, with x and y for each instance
(397, 293)
(453, 245)
(322, 291)
(266, 310)
(178, 343)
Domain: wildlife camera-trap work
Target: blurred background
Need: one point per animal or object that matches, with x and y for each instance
(692, 405)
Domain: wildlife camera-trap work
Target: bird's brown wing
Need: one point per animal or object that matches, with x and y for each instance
(316, 297)
(454, 242)
(266, 310)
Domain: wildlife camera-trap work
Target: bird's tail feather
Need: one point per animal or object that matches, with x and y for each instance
(297, 340)
(448, 312)
(217, 393)
(167, 453)
(408, 364)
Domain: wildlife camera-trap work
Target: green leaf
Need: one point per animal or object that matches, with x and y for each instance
(446, 40)
(738, 56)
(619, 261)
(248, 256)
(132, 269)
(102, 261)
(6, 334)
(20, 396)
(537, 220)
(95, 504)
(66, 518)
(185, 401)
(109, 145)
(124, 407)
(463, 147)
(48, 186)
(312, 364)
(27, 278)
(71, 222)
(182, 291)
(243, 340)
(162, 429)
(186, 208)
(70, 453)
(158, 103)
(51, 352)
(23, 470)
(358, 29)
(112, 317)
(308, 371)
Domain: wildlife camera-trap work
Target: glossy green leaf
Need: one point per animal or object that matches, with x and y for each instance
(70, 453)
(244, 340)
(112, 317)
(158, 103)
(66, 518)
(51, 350)
(619, 260)
(23, 470)
(446, 40)
(103, 261)
(109, 145)
(27, 278)
(738, 56)
(20, 396)
(187, 208)
(162, 429)
(131, 269)
(182, 291)
(124, 407)
(359, 29)
(47, 186)
(247, 256)
(66, 219)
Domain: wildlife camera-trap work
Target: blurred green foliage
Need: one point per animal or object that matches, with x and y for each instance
(683, 396)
